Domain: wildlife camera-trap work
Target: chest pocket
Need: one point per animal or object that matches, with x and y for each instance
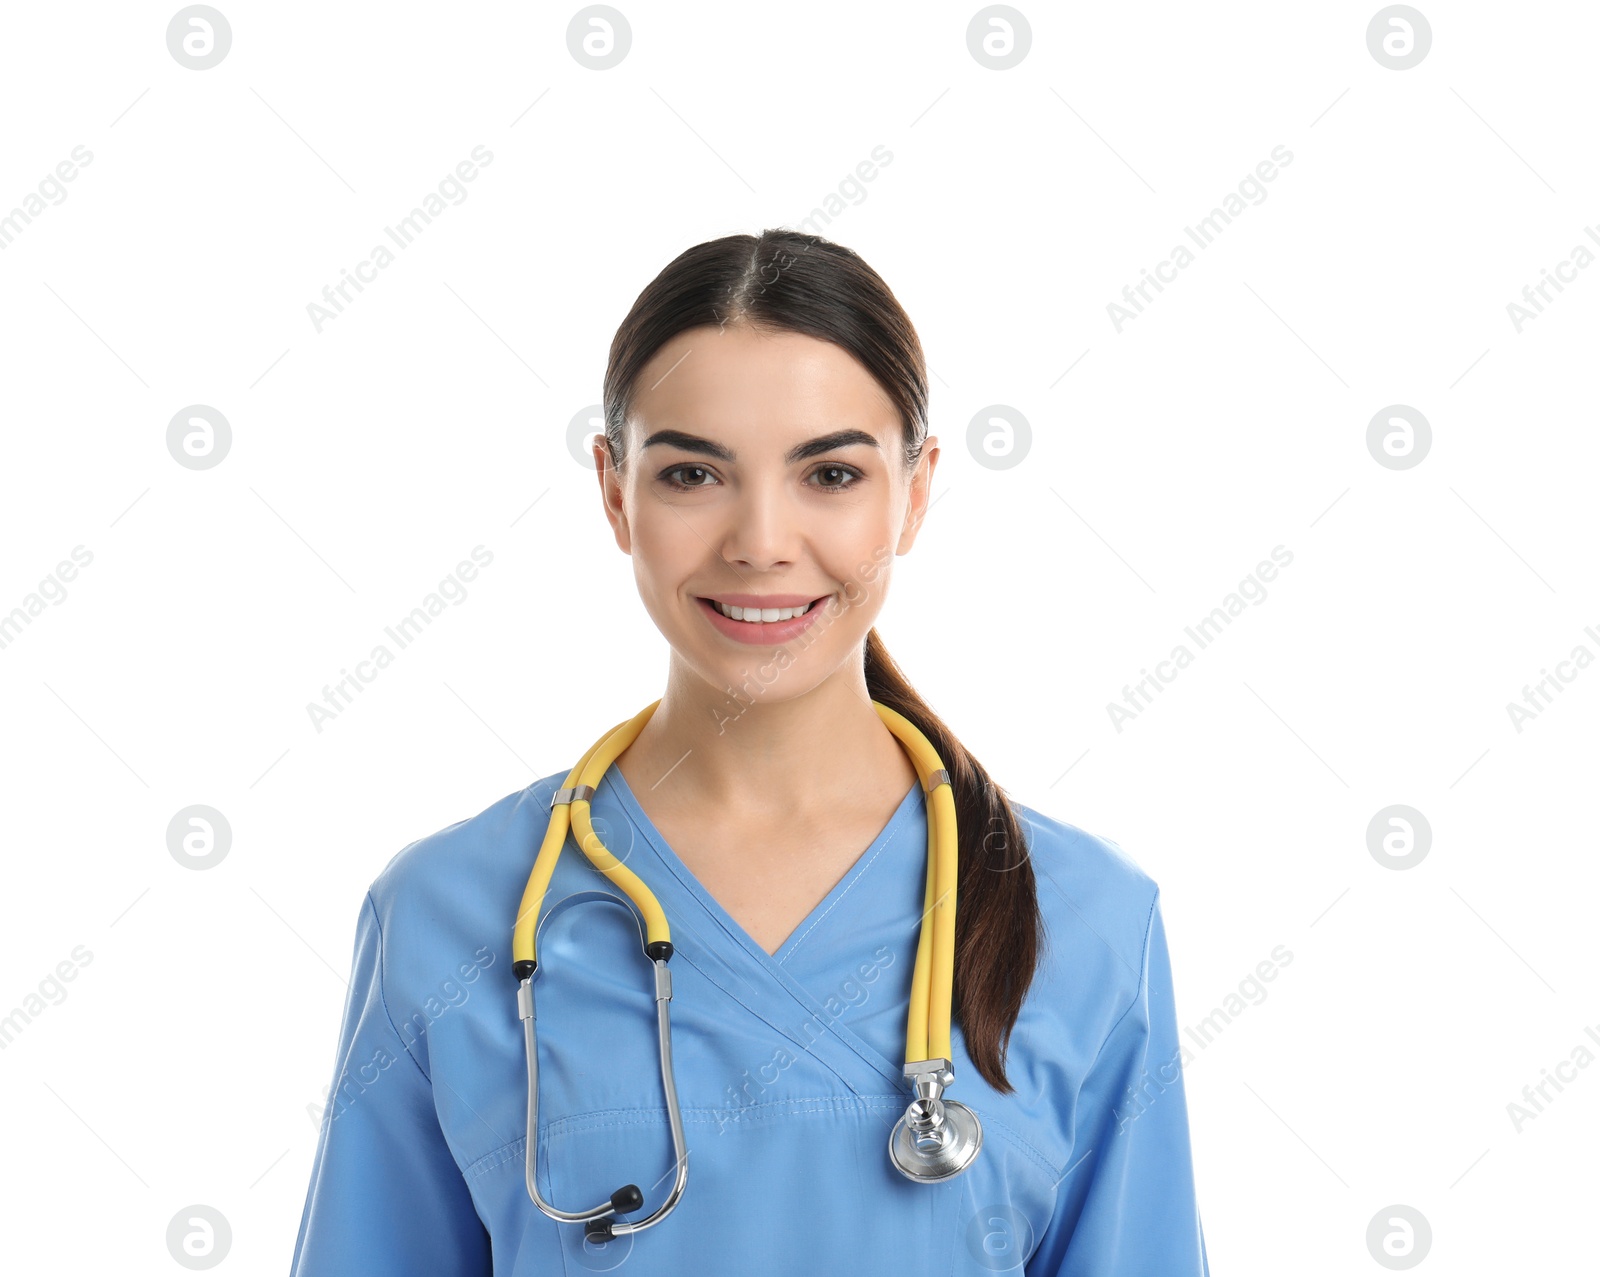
(791, 1186)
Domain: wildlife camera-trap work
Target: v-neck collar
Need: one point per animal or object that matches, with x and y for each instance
(624, 795)
(751, 982)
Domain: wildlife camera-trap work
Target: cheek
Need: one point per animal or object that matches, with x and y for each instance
(858, 547)
(665, 547)
(847, 524)
(863, 571)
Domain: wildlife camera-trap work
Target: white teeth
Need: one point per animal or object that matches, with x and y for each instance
(761, 613)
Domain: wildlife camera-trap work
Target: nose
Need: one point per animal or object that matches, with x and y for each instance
(762, 526)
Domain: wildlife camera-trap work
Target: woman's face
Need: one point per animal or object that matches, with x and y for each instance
(763, 470)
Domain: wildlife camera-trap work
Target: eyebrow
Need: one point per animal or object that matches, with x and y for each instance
(800, 452)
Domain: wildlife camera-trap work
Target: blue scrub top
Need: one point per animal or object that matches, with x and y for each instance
(788, 1069)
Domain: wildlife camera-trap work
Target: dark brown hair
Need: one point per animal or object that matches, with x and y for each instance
(785, 281)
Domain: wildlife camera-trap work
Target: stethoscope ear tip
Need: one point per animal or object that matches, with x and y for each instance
(627, 1198)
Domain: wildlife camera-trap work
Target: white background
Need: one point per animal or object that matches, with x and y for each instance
(431, 416)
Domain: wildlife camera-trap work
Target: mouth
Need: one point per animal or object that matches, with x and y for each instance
(757, 616)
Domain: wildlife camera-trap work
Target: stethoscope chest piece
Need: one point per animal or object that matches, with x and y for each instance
(935, 1139)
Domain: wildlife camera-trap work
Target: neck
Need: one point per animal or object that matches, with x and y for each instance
(704, 750)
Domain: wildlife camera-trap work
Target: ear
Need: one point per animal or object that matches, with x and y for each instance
(611, 494)
(921, 487)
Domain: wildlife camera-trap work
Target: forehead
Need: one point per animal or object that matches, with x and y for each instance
(739, 382)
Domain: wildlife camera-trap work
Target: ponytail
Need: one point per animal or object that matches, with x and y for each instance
(999, 929)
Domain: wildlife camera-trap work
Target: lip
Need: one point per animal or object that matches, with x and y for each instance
(765, 600)
(761, 633)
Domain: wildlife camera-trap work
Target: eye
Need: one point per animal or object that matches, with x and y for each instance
(687, 468)
(849, 476)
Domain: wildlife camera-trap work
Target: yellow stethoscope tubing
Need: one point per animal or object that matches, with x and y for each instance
(933, 978)
(589, 770)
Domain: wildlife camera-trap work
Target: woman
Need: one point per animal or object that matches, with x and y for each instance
(766, 448)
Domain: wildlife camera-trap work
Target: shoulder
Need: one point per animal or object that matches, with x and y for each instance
(443, 909)
(1098, 902)
(481, 846)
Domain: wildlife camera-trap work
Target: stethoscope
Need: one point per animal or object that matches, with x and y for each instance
(934, 1140)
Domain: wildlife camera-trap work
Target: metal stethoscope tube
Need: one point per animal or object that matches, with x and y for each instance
(628, 1197)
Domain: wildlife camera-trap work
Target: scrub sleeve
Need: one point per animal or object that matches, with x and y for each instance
(1126, 1206)
(386, 1194)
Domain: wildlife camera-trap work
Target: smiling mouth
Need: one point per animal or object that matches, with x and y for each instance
(761, 616)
